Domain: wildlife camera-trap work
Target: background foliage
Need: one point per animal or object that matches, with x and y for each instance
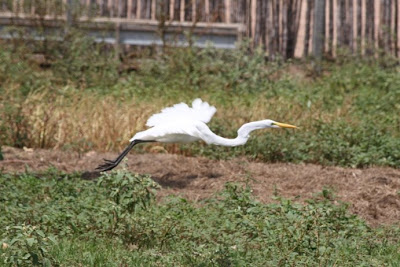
(80, 95)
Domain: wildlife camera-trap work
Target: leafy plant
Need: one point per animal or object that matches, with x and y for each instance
(115, 221)
(27, 245)
(80, 60)
(128, 193)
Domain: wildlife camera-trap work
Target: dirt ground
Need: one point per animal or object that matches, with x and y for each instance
(373, 193)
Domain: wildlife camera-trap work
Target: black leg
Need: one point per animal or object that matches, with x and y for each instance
(111, 164)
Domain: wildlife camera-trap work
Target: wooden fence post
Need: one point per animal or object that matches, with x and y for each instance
(69, 10)
(307, 28)
(118, 29)
(318, 32)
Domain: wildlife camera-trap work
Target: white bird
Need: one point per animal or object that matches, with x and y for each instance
(183, 124)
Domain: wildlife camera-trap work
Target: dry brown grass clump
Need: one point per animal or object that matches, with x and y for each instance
(83, 121)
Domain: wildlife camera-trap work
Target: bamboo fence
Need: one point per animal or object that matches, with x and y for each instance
(282, 27)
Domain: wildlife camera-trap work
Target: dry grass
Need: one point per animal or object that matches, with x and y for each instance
(83, 121)
(331, 131)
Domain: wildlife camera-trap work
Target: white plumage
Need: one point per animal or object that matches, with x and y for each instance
(178, 124)
(200, 111)
(183, 124)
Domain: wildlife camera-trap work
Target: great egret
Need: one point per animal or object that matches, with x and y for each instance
(183, 124)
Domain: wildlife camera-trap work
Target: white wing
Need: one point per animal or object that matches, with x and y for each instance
(200, 111)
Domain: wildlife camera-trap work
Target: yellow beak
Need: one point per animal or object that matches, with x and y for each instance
(284, 125)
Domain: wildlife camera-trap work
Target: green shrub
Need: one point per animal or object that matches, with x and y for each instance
(128, 194)
(81, 61)
(115, 221)
(27, 245)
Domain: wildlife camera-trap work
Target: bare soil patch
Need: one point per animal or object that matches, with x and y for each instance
(373, 193)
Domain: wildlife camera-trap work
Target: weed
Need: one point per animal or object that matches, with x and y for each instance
(27, 245)
(115, 221)
(129, 193)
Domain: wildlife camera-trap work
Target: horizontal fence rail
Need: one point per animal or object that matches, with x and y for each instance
(131, 22)
(284, 28)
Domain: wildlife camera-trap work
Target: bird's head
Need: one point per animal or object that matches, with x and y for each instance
(275, 124)
(247, 128)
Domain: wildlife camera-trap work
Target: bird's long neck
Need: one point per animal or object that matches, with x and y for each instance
(247, 128)
(241, 139)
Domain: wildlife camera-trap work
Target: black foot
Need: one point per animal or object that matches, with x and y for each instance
(107, 165)
(111, 164)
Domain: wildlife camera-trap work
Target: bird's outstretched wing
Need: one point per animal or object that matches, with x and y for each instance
(200, 111)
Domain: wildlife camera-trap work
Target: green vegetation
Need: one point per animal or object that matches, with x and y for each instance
(55, 218)
(79, 95)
